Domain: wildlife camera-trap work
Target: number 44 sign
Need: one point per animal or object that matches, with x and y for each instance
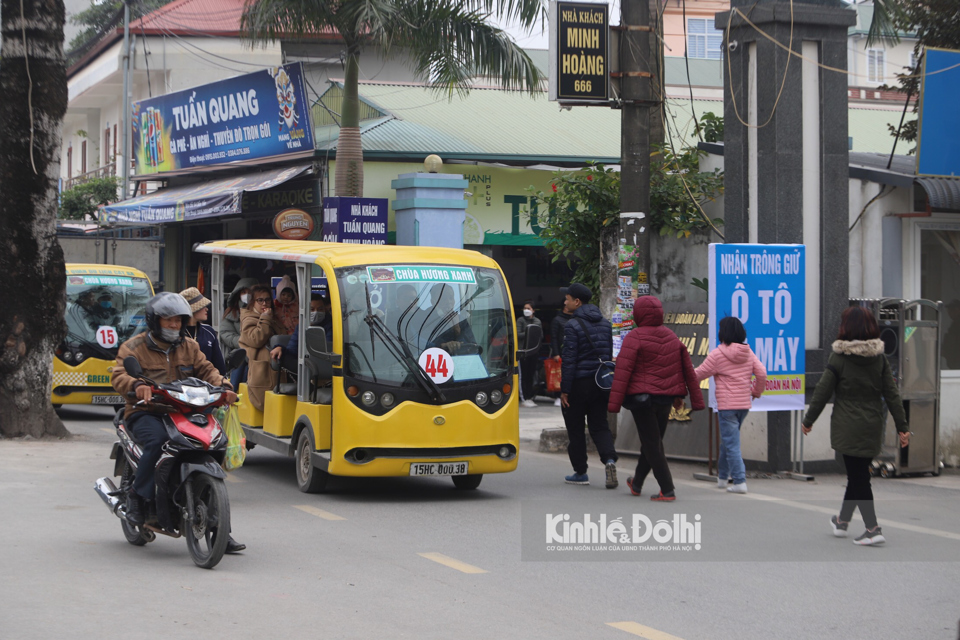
(764, 286)
(437, 363)
(107, 337)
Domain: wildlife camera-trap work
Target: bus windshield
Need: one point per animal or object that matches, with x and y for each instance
(105, 310)
(461, 311)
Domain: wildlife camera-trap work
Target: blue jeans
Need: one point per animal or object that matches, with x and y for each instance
(730, 463)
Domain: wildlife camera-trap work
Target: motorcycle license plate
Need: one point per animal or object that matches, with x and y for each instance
(107, 400)
(438, 469)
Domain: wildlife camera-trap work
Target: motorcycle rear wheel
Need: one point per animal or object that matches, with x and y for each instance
(134, 535)
(207, 530)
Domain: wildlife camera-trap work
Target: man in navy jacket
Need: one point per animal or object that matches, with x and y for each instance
(580, 396)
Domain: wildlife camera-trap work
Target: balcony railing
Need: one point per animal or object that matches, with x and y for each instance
(104, 171)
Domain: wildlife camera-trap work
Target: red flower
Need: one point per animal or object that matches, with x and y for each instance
(589, 177)
(554, 188)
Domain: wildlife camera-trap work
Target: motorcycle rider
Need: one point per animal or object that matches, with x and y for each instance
(165, 355)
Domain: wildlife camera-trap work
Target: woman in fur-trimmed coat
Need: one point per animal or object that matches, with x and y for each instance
(859, 378)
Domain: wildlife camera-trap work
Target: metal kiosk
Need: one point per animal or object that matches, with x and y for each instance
(911, 334)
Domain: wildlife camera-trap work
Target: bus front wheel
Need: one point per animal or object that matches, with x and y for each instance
(309, 478)
(468, 482)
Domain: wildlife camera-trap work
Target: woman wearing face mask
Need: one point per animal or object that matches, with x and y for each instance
(529, 363)
(204, 334)
(238, 300)
(257, 326)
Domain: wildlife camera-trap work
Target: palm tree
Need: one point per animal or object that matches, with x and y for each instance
(887, 14)
(33, 83)
(449, 42)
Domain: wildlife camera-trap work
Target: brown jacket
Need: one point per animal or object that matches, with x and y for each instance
(255, 334)
(162, 363)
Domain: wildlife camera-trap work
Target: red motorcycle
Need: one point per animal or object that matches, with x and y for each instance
(191, 496)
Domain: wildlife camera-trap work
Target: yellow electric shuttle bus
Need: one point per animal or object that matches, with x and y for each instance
(105, 305)
(415, 375)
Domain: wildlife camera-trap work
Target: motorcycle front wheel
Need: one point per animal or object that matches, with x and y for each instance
(134, 535)
(207, 529)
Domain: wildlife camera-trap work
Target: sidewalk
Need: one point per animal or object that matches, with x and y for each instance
(533, 421)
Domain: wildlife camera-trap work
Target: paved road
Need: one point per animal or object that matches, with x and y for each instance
(397, 558)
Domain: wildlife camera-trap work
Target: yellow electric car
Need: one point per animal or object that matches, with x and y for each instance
(414, 374)
(105, 305)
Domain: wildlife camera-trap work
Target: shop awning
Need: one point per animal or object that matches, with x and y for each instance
(207, 199)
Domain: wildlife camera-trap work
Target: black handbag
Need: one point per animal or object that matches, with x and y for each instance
(604, 375)
(636, 401)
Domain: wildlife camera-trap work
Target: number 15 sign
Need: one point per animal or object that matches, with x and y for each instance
(764, 285)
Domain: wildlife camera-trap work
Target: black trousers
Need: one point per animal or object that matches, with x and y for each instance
(589, 401)
(527, 367)
(150, 434)
(858, 493)
(651, 425)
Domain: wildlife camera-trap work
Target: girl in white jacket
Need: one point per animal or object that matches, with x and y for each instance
(732, 365)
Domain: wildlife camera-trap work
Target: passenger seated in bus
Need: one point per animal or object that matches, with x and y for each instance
(448, 333)
(287, 307)
(257, 326)
(319, 317)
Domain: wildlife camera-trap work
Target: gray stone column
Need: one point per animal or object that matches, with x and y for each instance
(774, 84)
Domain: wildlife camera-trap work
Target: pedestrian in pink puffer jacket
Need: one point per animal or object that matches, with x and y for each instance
(732, 365)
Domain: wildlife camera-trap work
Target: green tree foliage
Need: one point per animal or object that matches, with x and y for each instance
(103, 16)
(82, 200)
(448, 43)
(710, 127)
(936, 24)
(581, 204)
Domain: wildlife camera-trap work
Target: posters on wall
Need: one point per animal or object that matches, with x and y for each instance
(764, 285)
(247, 118)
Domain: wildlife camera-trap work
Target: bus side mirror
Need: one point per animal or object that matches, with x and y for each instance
(534, 337)
(132, 366)
(316, 344)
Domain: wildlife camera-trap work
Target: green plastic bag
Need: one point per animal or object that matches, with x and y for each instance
(229, 418)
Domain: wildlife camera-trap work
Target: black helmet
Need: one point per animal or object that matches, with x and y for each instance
(167, 305)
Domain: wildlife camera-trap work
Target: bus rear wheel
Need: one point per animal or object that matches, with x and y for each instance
(469, 482)
(309, 478)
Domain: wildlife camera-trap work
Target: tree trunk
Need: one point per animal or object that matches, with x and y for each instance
(349, 174)
(31, 260)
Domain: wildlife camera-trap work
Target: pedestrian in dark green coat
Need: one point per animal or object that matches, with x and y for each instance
(859, 379)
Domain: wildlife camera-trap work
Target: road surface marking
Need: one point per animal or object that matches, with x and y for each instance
(450, 562)
(113, 431)
(233, 478)
(320, 513)
(638, 629)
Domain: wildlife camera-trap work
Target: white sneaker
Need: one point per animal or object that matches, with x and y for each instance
(737, 488)
(529, 404)
(722, 483)
(556, 403)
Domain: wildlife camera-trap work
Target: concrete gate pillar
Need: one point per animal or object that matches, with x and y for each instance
(786, 157)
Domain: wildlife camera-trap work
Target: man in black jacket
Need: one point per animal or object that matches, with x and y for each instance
(580, 396)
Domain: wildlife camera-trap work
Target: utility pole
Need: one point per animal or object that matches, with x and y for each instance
(126, 125)
(637, 98)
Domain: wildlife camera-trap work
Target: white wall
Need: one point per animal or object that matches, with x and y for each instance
(866, 238)
(897, 59)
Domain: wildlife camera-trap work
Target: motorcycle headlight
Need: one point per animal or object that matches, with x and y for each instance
(216, 434)
(196, 396)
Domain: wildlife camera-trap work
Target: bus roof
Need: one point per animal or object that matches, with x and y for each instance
(344, 255)
(82, 269)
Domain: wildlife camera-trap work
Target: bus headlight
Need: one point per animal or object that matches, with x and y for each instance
(387, 400)
(368, 398)
(482, 398)
(504, 452)
(496, 397)
(68, 356)
(79, 356)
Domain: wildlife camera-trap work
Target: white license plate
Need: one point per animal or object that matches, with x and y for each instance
(438, 469)
(107, 400)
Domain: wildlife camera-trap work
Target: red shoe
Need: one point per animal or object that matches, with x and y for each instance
(662, 498)
(630, 486)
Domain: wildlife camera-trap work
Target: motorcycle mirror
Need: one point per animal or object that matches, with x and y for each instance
(132, 366)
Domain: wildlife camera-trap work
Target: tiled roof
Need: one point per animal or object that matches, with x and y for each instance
(192, 17)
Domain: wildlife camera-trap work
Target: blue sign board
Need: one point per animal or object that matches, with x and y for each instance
(355, 220)
(938, 140)
(250, 117)
(764, 285)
